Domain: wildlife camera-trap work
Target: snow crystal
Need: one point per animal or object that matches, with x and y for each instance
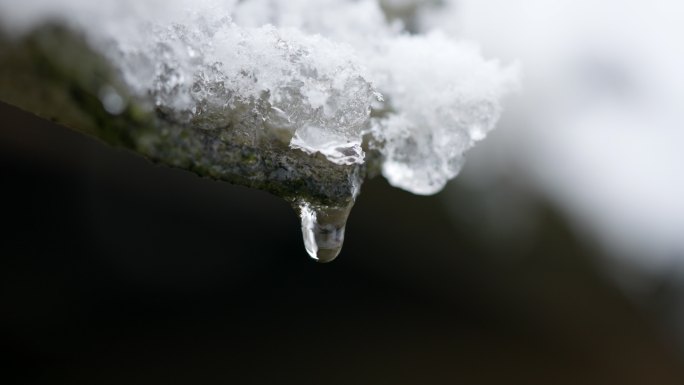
(311, 68)
(444, 97)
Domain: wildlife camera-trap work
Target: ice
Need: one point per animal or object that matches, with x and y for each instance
(325, 77)
(201, 61)
(598, 131)
(444, 97)
(441, 95)
(314, 85)
(311, 68)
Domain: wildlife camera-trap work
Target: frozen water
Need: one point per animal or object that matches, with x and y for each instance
(600, 127)
(316, 65)
(444, 97)
(311, 70)
(440, 95)
(192, 58)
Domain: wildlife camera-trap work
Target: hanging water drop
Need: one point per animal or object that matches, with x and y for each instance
(323, 229)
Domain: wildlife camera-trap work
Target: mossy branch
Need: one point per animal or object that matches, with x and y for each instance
(54, 73)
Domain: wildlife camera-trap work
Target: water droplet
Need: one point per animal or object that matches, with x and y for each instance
(111, 100)
(323, 229)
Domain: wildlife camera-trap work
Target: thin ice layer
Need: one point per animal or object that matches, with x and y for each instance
(309, 69)
(441, 96)
(303, 85)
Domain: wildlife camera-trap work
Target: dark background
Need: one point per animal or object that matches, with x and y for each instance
(118, 271)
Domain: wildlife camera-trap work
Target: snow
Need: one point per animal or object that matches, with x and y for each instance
(599, 129)
(318, 66)
(445, 97)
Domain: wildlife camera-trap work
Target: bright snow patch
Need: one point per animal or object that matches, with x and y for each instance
(314, 69)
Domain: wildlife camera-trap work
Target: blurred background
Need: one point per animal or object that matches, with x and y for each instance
(556, 257)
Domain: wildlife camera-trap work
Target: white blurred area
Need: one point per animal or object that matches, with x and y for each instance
(599, 127)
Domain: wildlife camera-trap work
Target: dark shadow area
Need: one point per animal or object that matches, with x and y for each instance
(118, 271)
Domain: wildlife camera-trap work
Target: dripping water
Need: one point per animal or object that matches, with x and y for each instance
(323, 229)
